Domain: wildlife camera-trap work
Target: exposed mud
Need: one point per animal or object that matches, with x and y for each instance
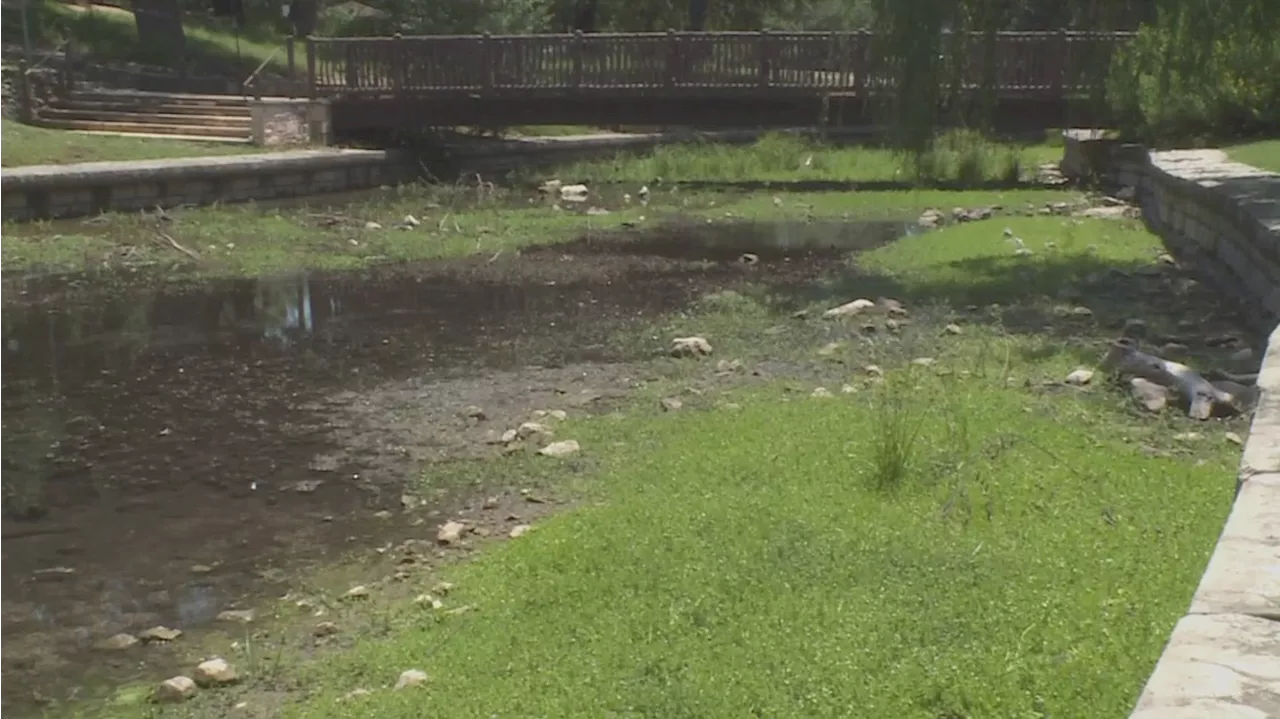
(163, 449)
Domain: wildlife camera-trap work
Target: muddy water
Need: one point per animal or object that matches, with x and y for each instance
(161, 446)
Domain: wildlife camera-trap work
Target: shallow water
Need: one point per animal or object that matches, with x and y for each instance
(150, 430)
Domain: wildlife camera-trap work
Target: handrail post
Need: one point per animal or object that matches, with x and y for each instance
(291, 64)
(397, 63)
(311, 66)
(350, 63)
(1061, 51)
(486, 61)
(26, 112)
(763, 52)
(575, 54)
(674, 61)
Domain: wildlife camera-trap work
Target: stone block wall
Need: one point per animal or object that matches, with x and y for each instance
(61, 191)
(1221, 218)
(277, 122)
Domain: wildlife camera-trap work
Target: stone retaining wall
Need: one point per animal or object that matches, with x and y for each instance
(1223, 219)
(60, 191)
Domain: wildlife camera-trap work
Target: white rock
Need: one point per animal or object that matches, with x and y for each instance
(671, 404)
(411, 678)
(215, 672)
(551, 186)
(690, 347)
(874, 370)
(371, 225)
(821, 393)
(450, 532)
(562, 448)
(533, 429)
(159, 634)
(242, 616)
(359, 591)
(411, 221)
(923, 361)
(1080, 377)
(117, 642)
(175, 690)
(849, 309)
(519, 530)
(574, 193)
(509, 436)
(1149, 394)
(953, 329)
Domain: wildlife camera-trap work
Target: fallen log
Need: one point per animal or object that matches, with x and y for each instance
(1203, 398)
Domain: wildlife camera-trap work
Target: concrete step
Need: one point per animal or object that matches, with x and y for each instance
(161, 98)
(147, 128)
(145, 118)
(188, 138)
(80, 104)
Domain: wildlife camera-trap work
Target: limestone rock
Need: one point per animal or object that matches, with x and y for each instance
(159, 634)
(849, 309)
(574, 193)
(533, 429)
(215, 672)
(324, 629)
(519, 530)
(563, 448)
(1150, 395)
(953, 329)
(241, 616)
(930, 218)
(690, 347)
(117, 642)
(671, 404)
(174, 690)
(411, 678)
(1080, 377)
(450, 532)
(830, 349)
(821, 393)
(359, 591)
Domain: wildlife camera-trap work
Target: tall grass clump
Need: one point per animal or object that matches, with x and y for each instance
(965, 156)
(895, 439)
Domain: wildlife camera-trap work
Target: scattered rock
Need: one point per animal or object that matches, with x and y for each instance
(1174, 351)
(201, 569)
(241, 616)
(849, 309)
(574, 193)
(410, 221)
(371, 225)
(533, 429)
(174, 690)
(450, 532)
(848, 389)
(930, 219)
(411, 678)
(562, 448)
(159, 634)
(821, 393)
(117, 642)
(442, 588)
(550, 186)
(490, 503)
(671, 404)
(324, 629)
(509, 436)
(873, 370)
(427, 599)
(307, 486)
(54, 572)
(748, 258)
(891, 307)
(1188, 437)
(1113, 212)
(1150, 395)
(215, 672)
(354, 694)
(923, 361)
(323, 463)
(558, 414)
(474, 412)
(1080, 377)
(953, 329)
(690, 347)
(519, 530)
(1233, 438)
(1081, 311)
(359, 591)
(728, 365)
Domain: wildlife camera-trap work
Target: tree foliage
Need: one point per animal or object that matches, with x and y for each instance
(1201, 69)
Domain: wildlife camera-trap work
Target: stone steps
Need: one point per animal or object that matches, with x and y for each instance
(149, 114)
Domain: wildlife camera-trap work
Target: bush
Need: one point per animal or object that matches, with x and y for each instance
(1170, 85)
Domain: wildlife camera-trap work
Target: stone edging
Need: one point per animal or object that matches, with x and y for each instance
(1223, 657)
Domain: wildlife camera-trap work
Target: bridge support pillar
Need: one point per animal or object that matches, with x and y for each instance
(279, 121)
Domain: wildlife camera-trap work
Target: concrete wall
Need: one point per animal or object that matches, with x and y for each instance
(1223, 219)
(57, 191)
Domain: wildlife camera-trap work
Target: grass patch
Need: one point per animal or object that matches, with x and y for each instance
(953, 540)
(27, 145)
(1264, 154)
(959, 157)
(329, 234)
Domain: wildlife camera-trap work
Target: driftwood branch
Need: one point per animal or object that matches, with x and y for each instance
(1204, 398)
(174, 244)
